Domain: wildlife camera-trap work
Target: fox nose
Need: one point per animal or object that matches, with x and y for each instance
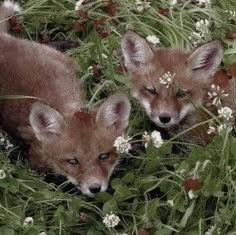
(165, 118)
(96, 188)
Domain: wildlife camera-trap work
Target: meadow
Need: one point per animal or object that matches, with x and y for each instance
(154, 190)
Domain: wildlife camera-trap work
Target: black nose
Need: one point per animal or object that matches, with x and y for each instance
(95, 188)
(165, 119)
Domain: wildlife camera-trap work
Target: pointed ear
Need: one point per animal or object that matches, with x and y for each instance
(114, 111)
(46, 122)
(205, 59)
(136, 51)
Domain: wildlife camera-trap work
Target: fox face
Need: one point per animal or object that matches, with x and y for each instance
(169, 83)
(79, 146)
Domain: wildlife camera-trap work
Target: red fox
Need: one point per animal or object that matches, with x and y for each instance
(62, 137)
(172, 85)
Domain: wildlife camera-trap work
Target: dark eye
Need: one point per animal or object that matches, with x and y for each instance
(182, 93)
(73, 161)
(103, 156)
(151, 90)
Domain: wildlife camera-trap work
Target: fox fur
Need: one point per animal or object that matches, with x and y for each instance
(61, 136)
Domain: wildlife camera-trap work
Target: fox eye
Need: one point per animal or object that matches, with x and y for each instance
(182, 93)
(151, 90)
(73, 161)
(103, 156)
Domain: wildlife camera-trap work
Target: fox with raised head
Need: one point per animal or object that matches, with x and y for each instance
(172, 84)
(62, 137)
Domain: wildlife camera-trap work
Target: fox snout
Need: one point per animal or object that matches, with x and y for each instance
(93, 185)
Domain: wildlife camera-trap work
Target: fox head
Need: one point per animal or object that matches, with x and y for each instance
(169, 83)
(79, 146)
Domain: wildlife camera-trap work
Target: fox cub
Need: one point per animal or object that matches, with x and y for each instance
(73, 143)
(172, 85)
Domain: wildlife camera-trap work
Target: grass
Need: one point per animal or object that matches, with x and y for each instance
(148, 191)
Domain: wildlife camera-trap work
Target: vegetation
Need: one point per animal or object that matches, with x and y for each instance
(153, 191)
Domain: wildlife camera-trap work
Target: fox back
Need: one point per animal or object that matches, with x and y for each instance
(172, 84)
(73, 143)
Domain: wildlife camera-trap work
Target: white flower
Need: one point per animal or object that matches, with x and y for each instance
(170, 202)
(157, 141)
(217, 94)
(173, 2)
(2, 140)
(167, 79)
(111, 220)
(210, 230)
(42, 233)
(211, 129)
(146, 139)
(78, 5)
(142, 5)
(28, 221)
(122, 144)
(191, 194)
(226, 113)
(202, 26)
(154, 138)
(222, 128)
(2, 174)
(204, 2)
(153, 39)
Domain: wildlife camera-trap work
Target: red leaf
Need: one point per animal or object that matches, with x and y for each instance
(229, 34)
(111, 10)
(13, 21)
(83, 14)
(192, 184)
(17, 29)
(77, 26)
(164, 12)
(143, 232)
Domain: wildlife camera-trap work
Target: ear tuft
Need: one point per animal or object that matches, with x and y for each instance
(114, 111)
(136, 51)
(205, 60)
(46, 121)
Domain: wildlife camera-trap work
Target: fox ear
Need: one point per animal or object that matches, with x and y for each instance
(114, 111)
(205, 59)
(136, 51)
(46, 122)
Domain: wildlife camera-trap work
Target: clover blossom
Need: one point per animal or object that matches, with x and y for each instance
(167, 79)
(78, 5)
(155, 139)
(142, 5)
(153, 39)
(122, 144)
(216, 94)
(111, 220)
(28, 221)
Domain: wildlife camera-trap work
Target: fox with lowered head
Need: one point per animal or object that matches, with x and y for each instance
(73, 143)
(176, 106)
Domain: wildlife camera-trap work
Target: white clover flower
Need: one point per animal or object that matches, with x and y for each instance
(153, 39)
(173, 2)
(204, 2)
(202, 26)
(2, 174)
(28, 221)
(42, 233)
(167, 79)
(226, 113)
(170, 202)
(157, 141)
(216, 94)
(142, 5)
(212, 129)
(2, 140)
(111, 220)
(78, 5)
(122, 144)
(222, 128)
(210, 230)
(146, 139)
(191, 195)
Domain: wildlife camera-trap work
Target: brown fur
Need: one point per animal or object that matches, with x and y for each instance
(59, 138)
(193, 71)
